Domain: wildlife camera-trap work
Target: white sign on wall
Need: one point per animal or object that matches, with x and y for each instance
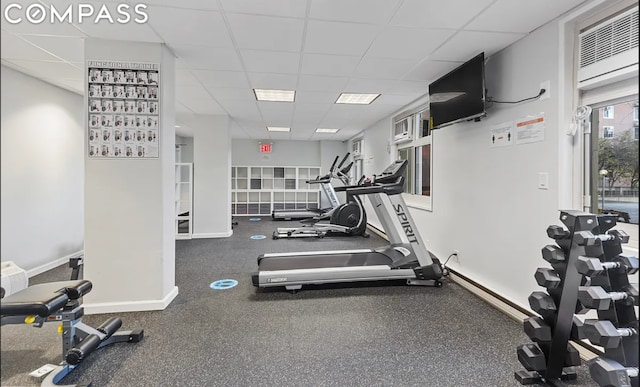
(530, 129)
(123, 104)
(502, 134)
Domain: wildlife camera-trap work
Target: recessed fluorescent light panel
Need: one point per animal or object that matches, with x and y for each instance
(275, 95)
(326, 130)
(278, 129)
(358, 99)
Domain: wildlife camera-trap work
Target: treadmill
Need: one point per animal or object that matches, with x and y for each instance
(406, 257)
(327, 188)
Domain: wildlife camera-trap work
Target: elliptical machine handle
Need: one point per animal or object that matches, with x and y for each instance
(334, 164)
(343, 160)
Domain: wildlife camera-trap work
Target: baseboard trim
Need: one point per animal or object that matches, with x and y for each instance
(53, 264)
(212, 235)
(130, 306)
(504, 305)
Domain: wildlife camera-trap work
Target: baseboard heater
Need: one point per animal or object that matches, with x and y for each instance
(514, 311)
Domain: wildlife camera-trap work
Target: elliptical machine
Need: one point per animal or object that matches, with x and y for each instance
(347, 219)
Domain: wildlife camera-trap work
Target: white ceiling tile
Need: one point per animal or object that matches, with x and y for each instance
(361, 85)
(247, 111)
(221, 78)
(377, 11)
(290, 8)
(316, 97)
(407, 43)
(50, 70)
(108, 25)
(210, 58)
(272, 81)
(187, 93)
(429, 71)
(309, 113)
(383, 68)
(25, 27)
(13, 47)
(466, 44)
(181, 26)
(277, 113)
(394, 99)
(190, 4)
(333, 65)
(71, 49)
(339, 38)
(204, 106)
(409, 87)
(266, 32)
(227, 93)
(321, 83)
(437, 13)
(270, 61)
(185, 78)
(520, 15)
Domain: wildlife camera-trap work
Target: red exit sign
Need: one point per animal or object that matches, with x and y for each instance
(265, 148)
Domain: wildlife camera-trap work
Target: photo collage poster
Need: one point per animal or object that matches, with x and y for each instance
(123, 109)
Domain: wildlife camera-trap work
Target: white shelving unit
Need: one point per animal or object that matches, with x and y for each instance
(257, 190)
(184, 200)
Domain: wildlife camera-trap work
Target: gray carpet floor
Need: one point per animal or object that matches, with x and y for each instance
(367, 334)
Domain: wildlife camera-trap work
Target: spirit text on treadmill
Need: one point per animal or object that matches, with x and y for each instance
(406, 225)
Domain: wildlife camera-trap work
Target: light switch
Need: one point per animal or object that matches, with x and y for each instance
(543, 180)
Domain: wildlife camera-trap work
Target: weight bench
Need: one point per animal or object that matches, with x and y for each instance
(61, 302)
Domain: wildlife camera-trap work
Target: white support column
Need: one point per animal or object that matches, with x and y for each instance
(129, 202)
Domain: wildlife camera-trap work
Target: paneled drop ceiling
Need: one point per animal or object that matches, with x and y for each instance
(319, 48)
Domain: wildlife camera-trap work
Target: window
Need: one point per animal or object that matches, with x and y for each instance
(607, 112)
(607, 131)
(418, 152)
(635, 113)
(635, 131)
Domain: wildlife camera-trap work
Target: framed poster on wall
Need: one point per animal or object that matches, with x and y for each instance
(123, 109)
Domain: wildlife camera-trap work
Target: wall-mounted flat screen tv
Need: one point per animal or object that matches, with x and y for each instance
(458, 95)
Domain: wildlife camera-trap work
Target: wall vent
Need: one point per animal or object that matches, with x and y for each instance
(608, 52)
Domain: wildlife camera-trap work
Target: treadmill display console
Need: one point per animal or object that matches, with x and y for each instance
(392, 172)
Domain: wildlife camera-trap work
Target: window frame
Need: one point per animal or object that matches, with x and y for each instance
(424, 202)
(608, 131)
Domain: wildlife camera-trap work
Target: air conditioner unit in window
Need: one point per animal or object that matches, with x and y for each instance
(403, 130)
(608, 52)
(356, 149)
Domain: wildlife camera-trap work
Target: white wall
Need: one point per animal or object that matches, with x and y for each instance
(211, 176)
(486, 201)
(42, 172)
(284, 153)
(129, 205)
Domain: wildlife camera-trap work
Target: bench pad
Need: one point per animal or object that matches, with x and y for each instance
(43, 299)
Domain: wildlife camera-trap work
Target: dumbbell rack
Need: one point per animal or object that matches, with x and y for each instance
(610, 369)
(550, 358)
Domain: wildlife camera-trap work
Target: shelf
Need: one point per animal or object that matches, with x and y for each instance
(258, 190)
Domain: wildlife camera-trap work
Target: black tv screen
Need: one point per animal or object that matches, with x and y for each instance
(459, 95)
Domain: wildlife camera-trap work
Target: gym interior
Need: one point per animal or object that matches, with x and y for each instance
(316, 193)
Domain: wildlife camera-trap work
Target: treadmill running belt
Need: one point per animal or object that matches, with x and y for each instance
(323, 261)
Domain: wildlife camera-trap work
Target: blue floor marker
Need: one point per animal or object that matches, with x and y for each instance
(258, 236)
(255, 219)
(223, 284)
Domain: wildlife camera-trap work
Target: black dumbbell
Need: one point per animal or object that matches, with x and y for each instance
(593, 266)
(595, 297)
(531, 357)
(587, 238)
(543, 304)
(552, 254)
(557, 232)
(547, 278)
(605, 334)
(608, 372)
(537, 329)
